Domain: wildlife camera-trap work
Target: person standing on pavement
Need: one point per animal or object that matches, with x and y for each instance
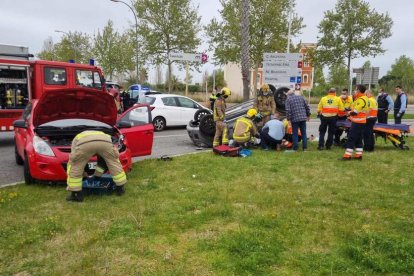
(265, 105)
(400, 104)
(297, 113)
(385, 104)
(342, 114)
(358, 117)
(219, 113)
(272, 134)
(369, 140)
(328, 109)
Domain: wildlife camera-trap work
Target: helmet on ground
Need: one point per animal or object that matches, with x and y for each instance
(251, 113)
(265, 88)
(225, 91)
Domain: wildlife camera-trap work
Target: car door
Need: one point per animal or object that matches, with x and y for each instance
(188, 108)
(170, 110)
(20, 133)
(136, 125)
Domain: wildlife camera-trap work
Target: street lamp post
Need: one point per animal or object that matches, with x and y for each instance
(67, 34)
(136, 33)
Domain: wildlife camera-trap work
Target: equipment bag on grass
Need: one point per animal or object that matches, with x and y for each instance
(227, 151)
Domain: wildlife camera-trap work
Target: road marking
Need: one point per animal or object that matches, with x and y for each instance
(10, 184)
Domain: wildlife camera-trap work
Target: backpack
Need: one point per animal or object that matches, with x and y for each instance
(225, 150)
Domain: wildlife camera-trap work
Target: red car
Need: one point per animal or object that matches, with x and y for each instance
(44, 135)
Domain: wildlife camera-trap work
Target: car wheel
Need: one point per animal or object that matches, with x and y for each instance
(159, 123)
(200, 113)
(280, 97)
(207, 125)
(28, 179)
(17, 157)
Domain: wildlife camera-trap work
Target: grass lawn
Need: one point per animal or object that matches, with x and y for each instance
(273, 213)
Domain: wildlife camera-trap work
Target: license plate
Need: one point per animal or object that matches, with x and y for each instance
(92, 165)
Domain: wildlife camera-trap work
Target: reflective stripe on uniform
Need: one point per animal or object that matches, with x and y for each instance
(120, 178)
(99, 169)
(88, 133)
(74, 182)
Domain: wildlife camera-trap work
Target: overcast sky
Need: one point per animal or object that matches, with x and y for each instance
(30, 22)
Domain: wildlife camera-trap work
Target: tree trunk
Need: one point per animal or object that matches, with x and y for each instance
(169, 76)
(245, 48)
(349, 73)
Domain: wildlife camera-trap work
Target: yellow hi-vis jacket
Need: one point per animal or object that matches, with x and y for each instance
(373, 107)
(330, 105)
(361, 108)
(347, 105)
(244, 130)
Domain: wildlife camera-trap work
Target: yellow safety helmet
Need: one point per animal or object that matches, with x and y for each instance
(265, 88)
(285, 123)
(251, 113)
(225, 91)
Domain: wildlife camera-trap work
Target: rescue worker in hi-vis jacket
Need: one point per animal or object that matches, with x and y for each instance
(358, 117)
(245, 129)
(85, 145)
(265, 105)
(218, 115)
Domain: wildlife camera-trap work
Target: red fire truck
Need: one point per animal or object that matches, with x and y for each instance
(23, 79)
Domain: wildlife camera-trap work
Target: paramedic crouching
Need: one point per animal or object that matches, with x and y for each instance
(85, 145)
(272, 134)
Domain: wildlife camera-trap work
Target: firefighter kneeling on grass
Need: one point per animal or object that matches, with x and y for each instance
(218, 115)
(245, 130)
(85, 145)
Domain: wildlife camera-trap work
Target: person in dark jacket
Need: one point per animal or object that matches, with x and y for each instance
(385, 104)
(400, 104)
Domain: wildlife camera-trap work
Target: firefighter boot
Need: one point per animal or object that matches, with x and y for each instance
(75, 196)
(120, 190)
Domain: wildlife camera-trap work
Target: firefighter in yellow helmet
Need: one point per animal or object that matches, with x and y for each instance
(85, 145)
(245, 129)
(219, 113)
(265, 104)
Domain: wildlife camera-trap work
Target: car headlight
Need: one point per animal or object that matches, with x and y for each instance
(41, 147)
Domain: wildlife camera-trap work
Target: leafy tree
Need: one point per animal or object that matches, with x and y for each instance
(401, 73)
(74, 45)
(219, 80)
(167, 26)
(268, 29)
(48, 51)
(338, 76)
(113, 51)
(350, 31)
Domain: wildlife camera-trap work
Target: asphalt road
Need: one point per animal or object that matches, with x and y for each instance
(170, 142)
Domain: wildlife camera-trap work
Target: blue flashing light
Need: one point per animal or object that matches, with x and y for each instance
(71, 61)
(91, 62)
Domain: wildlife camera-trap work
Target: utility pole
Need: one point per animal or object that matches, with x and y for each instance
(245, 48)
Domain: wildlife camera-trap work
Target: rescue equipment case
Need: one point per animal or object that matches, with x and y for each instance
(225, 150)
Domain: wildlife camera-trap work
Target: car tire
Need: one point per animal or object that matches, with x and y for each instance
(28, 179)
(159, 123)
(200, 114)
(207, 125)
(280, 97)
(17, 157)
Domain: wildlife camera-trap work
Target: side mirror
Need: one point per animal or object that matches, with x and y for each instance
(123, 124)
(19, 124)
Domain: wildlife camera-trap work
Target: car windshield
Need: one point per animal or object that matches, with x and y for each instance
(149, 100)
(82, 123)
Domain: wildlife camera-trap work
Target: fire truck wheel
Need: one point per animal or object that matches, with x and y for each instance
(200, 113)
(17, 157)
(28, 179)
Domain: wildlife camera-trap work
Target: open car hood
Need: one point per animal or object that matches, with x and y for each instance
(75, 103)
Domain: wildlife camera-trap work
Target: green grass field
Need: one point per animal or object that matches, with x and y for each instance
(273, 213)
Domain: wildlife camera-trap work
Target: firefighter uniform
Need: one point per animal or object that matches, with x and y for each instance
(218, 116)
(85, 145)
(369, 141)
(244, 128)
(265, 104)
(212, 99)
(328, 109)
(358, 117)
